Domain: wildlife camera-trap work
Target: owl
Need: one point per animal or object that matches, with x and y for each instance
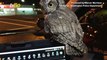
(64, 26)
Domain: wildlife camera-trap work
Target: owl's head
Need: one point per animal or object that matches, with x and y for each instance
(51, 5)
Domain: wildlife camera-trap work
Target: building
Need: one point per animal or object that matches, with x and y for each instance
(16, 9)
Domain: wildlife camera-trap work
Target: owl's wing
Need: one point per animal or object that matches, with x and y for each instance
(67, 29)
(61, 22)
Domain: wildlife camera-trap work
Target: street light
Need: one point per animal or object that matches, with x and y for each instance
(22, 0)
(33, 4)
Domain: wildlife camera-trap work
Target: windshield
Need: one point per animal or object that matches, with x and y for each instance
(18, 19)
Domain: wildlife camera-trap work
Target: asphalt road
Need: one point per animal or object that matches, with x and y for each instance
(13, 23)
(17, 29)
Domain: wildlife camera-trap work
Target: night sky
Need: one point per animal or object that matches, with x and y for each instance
(19, 1)
(27, 2)
(34, 1)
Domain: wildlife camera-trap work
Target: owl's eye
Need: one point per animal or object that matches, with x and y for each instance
(50, 4)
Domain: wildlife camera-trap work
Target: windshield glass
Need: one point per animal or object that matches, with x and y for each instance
(18, 19)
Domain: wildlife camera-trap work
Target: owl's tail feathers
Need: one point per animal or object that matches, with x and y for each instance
(71, 50)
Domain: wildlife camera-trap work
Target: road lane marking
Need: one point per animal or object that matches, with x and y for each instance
(24, 26)
(18, 20)
(14, 23)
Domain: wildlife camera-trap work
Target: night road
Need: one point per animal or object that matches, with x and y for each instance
(12, 23)
(17, 28)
